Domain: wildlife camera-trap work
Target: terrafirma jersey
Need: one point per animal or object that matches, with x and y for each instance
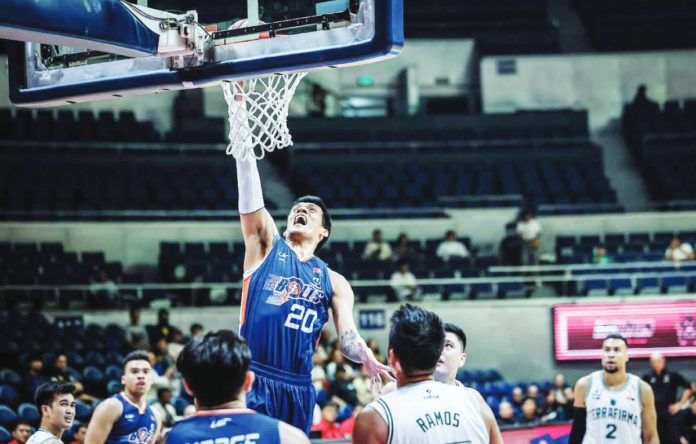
(613, 415)
(285, 304)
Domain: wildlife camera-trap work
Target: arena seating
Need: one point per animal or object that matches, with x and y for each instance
(495, 25)
(65, 126)
(664, 143)
(627, 25)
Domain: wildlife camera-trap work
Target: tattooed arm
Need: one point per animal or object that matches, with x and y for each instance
(353, 346)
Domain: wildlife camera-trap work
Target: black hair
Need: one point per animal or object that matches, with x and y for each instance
(20, 422)
(195, 326)
(451, 328)
(161, 391)
(214, 366)
(326, 217)
(617, 336)
(417, 337)
(137, 355)
(47, 392)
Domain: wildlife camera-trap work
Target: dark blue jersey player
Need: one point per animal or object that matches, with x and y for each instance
(215, 369)
(286, 298)
(126, 418)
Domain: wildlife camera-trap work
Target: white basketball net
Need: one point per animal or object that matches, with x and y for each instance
(258, 114)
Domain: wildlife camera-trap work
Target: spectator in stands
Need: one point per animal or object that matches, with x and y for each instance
(323, 346)
(164, 360)
(342, 390)
(451, 248)
(327, 426)
(529, 411)
(34, 377)
(136, 335)
(319, 379)
(176, 345)
(103, 292)
(404, 283)
(162, 329)
(164, 407)
(21, 432)
(665, 384)
(533, 392)
(79, 435)
(196, 329)
(377, 248)
(404, 250)
(189, 411)
(679, 251)
(552, 410)
(374, 346)
(559, 392)
(517, 397)
(338, 361)
(363, 387)
(347, 425)
(511, 246)
(166, 379)
(506, 413)
(687, 425)
(61, 373)
(641, 99)
(529, 229)
(570, 398)
(600, 256)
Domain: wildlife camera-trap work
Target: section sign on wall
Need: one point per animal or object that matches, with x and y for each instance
(665, 327)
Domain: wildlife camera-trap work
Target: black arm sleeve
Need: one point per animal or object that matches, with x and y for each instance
(577, 433)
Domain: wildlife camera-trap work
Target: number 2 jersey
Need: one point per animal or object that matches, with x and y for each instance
(285, 304)
(613, 415)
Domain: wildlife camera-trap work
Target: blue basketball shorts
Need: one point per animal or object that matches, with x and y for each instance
(285, 396)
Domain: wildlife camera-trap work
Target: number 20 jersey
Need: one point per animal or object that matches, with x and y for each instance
(285, 303)
(613, 415)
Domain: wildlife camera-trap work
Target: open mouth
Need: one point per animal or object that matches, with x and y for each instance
(300, 219)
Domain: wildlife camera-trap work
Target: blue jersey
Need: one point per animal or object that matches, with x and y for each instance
(285, 303)
(229, 426)
(135, 426)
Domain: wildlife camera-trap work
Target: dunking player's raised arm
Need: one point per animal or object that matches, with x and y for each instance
(258, 227)
(353, 346)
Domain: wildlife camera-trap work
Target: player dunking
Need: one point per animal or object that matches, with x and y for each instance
(215, 369)
(126, 418)
(612, 405)
(421, 410)
(287, 294)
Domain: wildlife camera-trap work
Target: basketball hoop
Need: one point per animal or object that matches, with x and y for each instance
(258, 114)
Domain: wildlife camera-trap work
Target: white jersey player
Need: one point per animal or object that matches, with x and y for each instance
(56, 402)
(421, 410)
(612, 405)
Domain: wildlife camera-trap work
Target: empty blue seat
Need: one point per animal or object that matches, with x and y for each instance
(7, 417)
(114, 386)
(595, 287)
(180, 404)
(95, 359)
(83, 412)
(92, 375)
(482, 290)
(511, 290)
(11, 377)
(5, 436)
(29, 412)
(648, 285)
(113, 372)
(8, 395)
(674, 284)
(621, 286)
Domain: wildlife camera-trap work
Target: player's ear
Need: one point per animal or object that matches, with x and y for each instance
(186, 387)
(248, 381)
(394, 361)
(324, 232)
(463, 359)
